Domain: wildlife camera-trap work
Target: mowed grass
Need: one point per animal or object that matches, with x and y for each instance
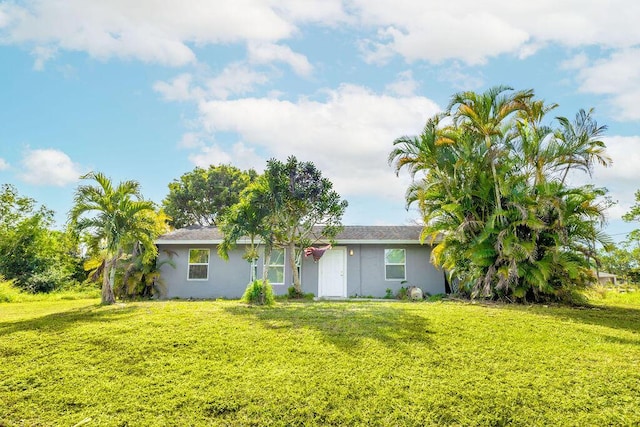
(191, 363)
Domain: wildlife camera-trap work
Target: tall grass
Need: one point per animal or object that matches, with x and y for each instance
(10, 293)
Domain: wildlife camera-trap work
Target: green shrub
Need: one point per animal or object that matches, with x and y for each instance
(8, 292)
(403, 293)
(259, 292)
(435, 298)
(388, 294)
(292, 293)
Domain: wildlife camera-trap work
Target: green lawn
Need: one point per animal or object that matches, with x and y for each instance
(180, 363)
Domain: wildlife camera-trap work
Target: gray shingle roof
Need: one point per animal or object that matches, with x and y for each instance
(350, 234)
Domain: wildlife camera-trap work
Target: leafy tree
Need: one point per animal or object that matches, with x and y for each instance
(304, 200)
(283, 208)
(623, 260)
(140, 269)
(489, 180)
(36, 257)
(203, 195)
(116, 217)
(253, 217)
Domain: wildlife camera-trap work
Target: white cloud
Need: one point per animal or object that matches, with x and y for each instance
(473, 31)
(405, 84)
(178, 89)
(618, 77)
(461, 79)
(148, 30)
(348, 135)
(240, 155)
(266, 53)
(42, 54)
(465, 30)
(576, 62)
(3, 164)
(622, 178)
(235, 79)
(49, 167)
(191, 140)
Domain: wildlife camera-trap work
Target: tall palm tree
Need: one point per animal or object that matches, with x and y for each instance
(488, 178)
(583, 137)
(115, 217)
(485, 114)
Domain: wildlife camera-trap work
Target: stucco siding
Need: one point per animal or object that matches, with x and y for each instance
(226, 279)
(370, 267)
(365, 270)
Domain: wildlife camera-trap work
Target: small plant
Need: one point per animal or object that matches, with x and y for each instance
(402, 293)
(388, 294)
(259, 292)
(293, 293)
(435, 298)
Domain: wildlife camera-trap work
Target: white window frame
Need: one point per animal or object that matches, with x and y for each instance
(272, 265)
(404, 264)
(189, 264)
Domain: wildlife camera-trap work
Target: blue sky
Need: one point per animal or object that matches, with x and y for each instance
(147, 90)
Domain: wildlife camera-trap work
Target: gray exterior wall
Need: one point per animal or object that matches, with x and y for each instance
(365, 271)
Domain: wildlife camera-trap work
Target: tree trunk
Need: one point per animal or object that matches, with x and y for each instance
(294, 268)
(108, 276)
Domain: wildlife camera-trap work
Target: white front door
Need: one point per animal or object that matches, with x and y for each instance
(332, 273)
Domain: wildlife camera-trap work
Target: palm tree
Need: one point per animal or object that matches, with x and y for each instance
(490, 187)
(485, 115)
(115, 217)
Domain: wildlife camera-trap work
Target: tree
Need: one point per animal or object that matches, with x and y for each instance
(489, 180)
(304, 200)
(203, 195)
(287, 207)
(115, 217)
(253, 217)
(36, 257)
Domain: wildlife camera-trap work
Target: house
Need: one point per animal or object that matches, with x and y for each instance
(364, 261)
(607, 279)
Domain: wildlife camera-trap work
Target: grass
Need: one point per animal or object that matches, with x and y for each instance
(181, 363)
(10, 293)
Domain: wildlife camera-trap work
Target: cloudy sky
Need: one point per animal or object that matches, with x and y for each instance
(149, 89)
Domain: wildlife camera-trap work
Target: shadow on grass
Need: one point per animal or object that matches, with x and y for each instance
(58, 321)
(346, 325)
(609, 316)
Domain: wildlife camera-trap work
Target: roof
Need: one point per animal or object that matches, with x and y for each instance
(354, 234)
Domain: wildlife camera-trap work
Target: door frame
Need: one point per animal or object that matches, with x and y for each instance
(343, 258)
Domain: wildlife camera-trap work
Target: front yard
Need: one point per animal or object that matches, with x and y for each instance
(185, 363)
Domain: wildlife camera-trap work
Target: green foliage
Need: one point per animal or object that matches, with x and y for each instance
(259, 292)
(35, 257)
(489, 177)
(388, 294)
(294, 294)
(116, 220)
(202, 196)
(622, 260)
(158, 363)
(9, 292)
(290, 206)
(436, 297)
(403, 293)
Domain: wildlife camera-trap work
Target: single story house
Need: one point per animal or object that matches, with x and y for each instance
(607, 279)
(364, 261)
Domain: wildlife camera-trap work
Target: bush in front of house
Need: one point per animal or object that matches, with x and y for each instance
(259, 292)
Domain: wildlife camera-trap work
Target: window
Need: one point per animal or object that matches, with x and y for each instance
(275, 273)
(394, 264)
(198, 264)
